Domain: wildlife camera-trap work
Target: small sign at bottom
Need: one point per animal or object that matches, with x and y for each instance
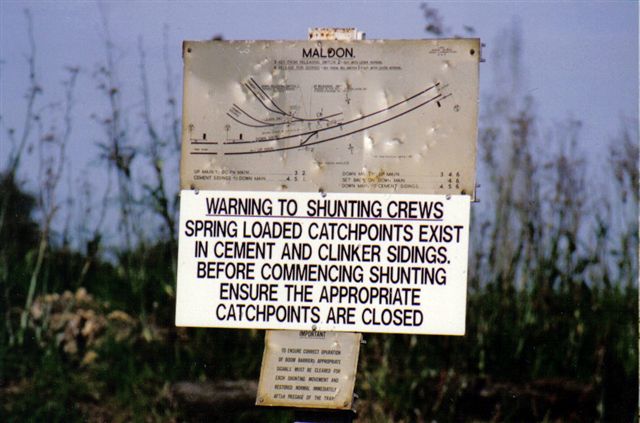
(309, 369)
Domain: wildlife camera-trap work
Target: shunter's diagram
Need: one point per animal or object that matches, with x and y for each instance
(365, 120)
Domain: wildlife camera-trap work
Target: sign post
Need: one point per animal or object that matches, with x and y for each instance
(326, 187)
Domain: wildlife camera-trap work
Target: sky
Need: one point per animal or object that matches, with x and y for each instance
(580, 59)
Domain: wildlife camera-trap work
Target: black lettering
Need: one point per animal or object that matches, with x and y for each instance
(210, 228)
(296, 251)
(340, 52)
(341, 315)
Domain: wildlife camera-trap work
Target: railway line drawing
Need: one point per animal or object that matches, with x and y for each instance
(395, 116)
(236, 113)
(329, 128)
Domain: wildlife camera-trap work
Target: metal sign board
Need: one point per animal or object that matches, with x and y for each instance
(313, 369)
(392, 263)
(331, 116)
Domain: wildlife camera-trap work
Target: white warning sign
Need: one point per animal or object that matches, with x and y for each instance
(392, 263)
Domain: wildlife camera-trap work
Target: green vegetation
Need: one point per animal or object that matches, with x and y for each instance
(88, 335)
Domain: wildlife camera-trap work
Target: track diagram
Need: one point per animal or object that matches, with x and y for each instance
(332, 130)
(237, 114)
(392, 116)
